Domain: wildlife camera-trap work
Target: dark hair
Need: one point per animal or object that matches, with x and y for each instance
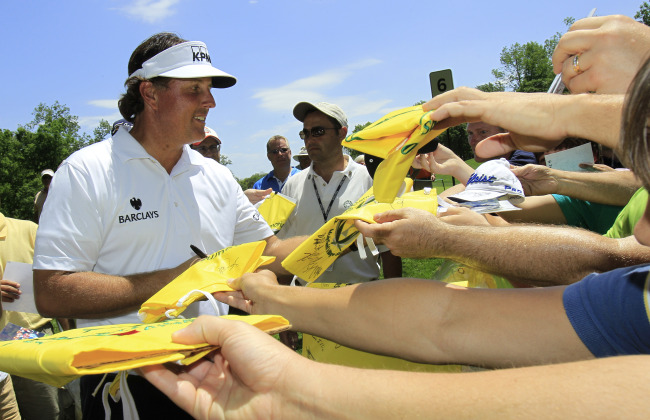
(131, 103)
(634, 146)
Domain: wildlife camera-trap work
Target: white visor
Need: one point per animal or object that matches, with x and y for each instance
(187, 60)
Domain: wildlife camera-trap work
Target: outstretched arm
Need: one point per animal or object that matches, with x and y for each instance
(535, 121)
(610, 187)
(538, 255)
(429, 322)
(253, 375)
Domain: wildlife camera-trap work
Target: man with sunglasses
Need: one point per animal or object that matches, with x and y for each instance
(279, 154)
(210, 146)
(332, 183)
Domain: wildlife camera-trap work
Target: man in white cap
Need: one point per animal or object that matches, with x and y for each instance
(41, 196)
(302, 158)
(327, 188)
(125, 211)
(210, 146)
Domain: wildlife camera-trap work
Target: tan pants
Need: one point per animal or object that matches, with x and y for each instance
(8, 404)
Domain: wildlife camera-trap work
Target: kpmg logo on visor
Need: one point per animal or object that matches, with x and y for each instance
(200, 53)
(136, 203)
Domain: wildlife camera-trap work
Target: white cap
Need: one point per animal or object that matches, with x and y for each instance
(492, 180)
(186, 60)
(301, 110)
(47, 172)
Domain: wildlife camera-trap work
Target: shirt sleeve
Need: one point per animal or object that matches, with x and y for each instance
(250, 225)
(70, 233)
(609, 311)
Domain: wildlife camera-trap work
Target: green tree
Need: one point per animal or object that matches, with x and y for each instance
(526, 68)
(643, 15)
(224, 160)
(43, 143)
(101, 131)
(247, 183)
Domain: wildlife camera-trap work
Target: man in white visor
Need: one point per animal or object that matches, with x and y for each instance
(125, 211)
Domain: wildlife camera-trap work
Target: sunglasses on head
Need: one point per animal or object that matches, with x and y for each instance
(279, 150)
(314, 132)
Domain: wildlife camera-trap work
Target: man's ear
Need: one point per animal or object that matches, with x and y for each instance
(149, 93)
(343, 132)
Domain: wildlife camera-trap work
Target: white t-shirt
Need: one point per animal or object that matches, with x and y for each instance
(113, 209)
(307, 217)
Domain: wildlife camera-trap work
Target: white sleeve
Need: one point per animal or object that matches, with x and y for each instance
(70, 232)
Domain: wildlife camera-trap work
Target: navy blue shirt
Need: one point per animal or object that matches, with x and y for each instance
(610, 311)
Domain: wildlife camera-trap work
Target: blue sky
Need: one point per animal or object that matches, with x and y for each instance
(369, 57)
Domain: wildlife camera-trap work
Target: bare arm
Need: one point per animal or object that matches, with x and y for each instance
(63, 294)
(537, 209)
(610, 187)
(430, 322)
(538, 255)
(535, 121)
(280, 249)
(254, 375)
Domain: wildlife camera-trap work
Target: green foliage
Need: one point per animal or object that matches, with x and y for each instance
(527, 67)
(247, 183)
(643, 15)
(456, 139)
(497, 86)
(43, 143)
(224, 160)
(101, 131)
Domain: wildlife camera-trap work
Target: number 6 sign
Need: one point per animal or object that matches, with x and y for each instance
(441, 81)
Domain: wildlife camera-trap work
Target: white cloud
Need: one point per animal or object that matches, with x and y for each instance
(310, 88)
(150, 11)
(88, 124)
(104, 103)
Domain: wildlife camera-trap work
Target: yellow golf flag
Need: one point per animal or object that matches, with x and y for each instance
(57, 359)
(311, 258)
(276, 209)
(208, 275)
(396, 137)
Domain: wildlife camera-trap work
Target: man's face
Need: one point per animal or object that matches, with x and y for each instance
(46, 179)
(477, 131)
(210, 148)
(279, 154)
(329, 144)
(183, 106)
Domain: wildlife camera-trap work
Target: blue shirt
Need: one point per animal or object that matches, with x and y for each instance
(610, 311)
(270, 181)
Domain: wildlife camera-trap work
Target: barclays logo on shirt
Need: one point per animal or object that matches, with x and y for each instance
(136, 203)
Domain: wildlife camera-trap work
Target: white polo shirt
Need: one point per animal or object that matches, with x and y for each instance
(307, 217)
(114, 209)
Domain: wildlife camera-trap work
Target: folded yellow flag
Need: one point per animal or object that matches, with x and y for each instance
(396, 137)
(57, 359)
(276, 209)
(311, 258)
(208, 275)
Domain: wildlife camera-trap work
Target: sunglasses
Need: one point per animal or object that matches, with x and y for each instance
(314, 132)
(280, 150)
(205, 149)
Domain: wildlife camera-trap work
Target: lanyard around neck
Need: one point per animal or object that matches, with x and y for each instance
(322, 209)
